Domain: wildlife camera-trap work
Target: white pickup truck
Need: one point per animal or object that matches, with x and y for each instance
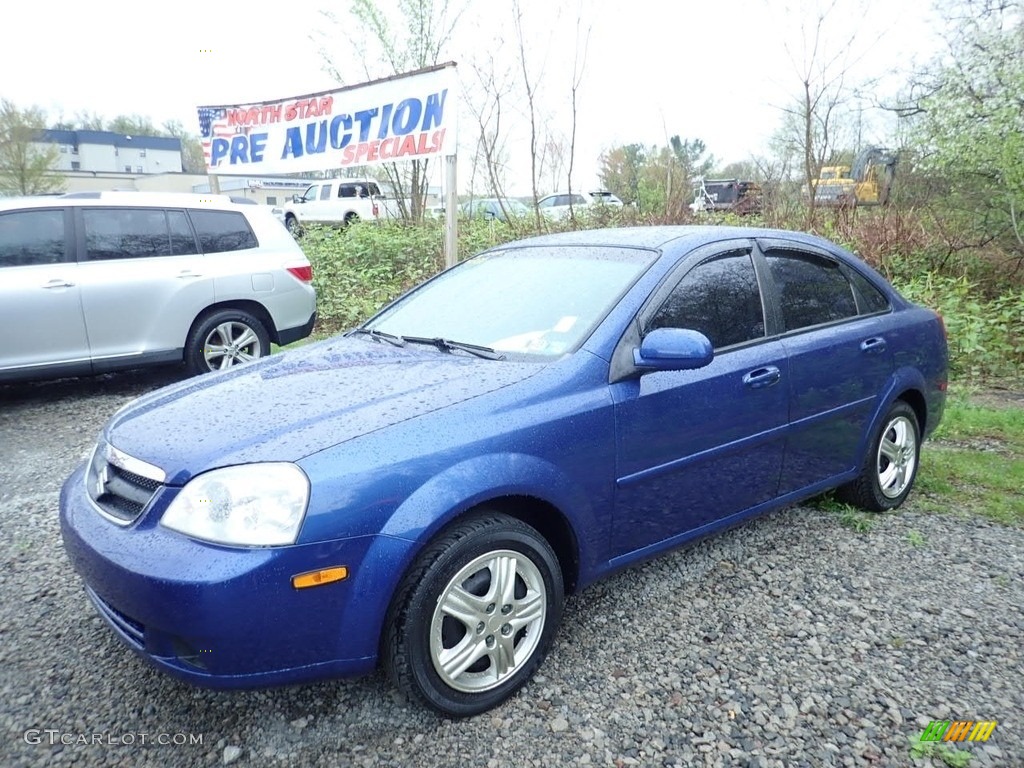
(337, 201)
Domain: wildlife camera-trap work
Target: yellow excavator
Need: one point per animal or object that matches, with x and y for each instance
(867, 182)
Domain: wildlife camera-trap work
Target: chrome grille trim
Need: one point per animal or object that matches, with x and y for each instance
(120, 486)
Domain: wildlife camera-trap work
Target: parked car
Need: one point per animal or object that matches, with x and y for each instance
(557, 206)
(493, 208)
(94, 282)
(338, 201)
(521, 425)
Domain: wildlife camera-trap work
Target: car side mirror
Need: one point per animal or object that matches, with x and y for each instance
(673, 349)
(297, 199)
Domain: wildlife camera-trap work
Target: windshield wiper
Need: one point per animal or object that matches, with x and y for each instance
(390, 338)
(447, 345)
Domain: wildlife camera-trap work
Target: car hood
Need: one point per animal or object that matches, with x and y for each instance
(291, 405)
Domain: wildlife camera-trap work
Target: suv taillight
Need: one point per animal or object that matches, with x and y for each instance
(305, 274)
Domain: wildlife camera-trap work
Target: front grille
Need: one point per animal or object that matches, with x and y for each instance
(119, 493)
(129, 627)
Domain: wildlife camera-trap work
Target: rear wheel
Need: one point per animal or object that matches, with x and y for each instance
(888, 475)
(225, 338)
(292, 225)
(475, 616)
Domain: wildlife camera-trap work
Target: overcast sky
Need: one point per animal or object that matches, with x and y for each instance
(718, 71)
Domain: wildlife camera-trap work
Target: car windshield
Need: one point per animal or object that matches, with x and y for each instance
(534, 301)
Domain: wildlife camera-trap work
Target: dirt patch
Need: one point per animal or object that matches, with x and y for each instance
(999, 396)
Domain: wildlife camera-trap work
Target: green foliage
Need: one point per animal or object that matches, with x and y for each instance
(26, 167)
(970, 127)
(986, 337)
(358, 269)
(656, 180)
(951, 756)
(848, 515)
(976, 463)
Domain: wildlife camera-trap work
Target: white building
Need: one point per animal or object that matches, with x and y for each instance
(108, 152)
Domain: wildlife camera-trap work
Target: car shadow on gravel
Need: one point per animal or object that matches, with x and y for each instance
(126, 383)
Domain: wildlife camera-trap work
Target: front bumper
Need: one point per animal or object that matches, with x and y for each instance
(225, 617)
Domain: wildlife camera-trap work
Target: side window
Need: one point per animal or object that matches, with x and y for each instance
(31, 237)
(125, 233)
(547, 202)
(374, 190)
(578, 200)
(346, 190)
(325, 192)
(720, 298)
(183, 242)
(812, 289)
(220, 231)
(869, 298)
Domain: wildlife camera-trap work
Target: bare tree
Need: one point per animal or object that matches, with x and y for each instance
(823, 65)
(579, 63)
(529, 84)
(486, 108)
(413, 38)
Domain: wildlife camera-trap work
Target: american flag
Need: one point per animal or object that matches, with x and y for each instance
(213, 125)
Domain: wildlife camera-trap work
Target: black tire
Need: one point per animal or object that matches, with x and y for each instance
(891, 465)
(350, 218)
(419, 635)
(292, 225)
(234, 336)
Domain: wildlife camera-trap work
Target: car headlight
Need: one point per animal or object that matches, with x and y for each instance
(251, 505)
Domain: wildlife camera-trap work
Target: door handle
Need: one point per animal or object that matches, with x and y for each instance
(58, 283)
(762, 377)
(874, 344)
(183, 274)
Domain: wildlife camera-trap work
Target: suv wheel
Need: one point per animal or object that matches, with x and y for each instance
(223, 339)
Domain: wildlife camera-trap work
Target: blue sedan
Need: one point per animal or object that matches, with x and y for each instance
(422, 492)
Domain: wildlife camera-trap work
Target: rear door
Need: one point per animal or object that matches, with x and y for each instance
(40, 300)
(840, 359)
(143, 281)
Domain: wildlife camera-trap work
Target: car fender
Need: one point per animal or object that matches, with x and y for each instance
(438, 502)
(902, 380)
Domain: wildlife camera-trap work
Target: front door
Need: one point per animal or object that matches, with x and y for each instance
(694, 447)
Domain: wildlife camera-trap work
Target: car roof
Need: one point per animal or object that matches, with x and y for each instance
(117, 198)
(658, 237)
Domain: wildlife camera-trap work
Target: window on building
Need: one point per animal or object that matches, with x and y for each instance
(75, 165)
(127, 169)
(271, 200)
(138, 169)
(63, 149)
(142, 153)
(74, 150)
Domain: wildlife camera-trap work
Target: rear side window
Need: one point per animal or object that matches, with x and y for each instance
(221, 231)
(869, 298)
(130, 233)
(720, 298)
(28, 238)
(812, 289)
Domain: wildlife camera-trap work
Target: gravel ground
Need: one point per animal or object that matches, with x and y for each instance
(790, 641)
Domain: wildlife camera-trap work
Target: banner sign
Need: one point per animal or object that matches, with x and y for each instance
(407, 117)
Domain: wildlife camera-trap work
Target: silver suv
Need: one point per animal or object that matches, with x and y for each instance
(94, 282)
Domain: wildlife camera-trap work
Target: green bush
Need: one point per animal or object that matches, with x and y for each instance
(358, 270)
(986, 337)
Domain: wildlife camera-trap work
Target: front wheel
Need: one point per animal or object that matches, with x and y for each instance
(888, 474)
(225, 338)
(475, 616)
(292, 225)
